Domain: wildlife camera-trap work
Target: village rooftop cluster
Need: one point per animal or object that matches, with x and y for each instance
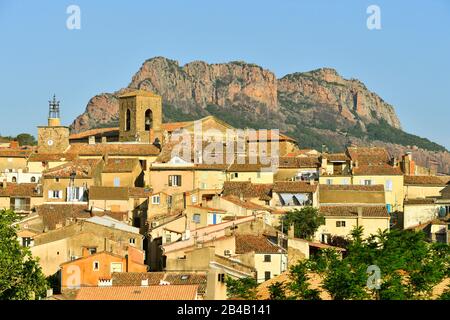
(138, 213)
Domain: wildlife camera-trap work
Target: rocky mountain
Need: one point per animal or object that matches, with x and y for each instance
(317, 107)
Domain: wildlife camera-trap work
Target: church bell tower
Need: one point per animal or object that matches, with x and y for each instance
(140, 117)
(53, 138)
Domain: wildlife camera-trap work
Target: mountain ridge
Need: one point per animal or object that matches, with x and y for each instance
(316, 107)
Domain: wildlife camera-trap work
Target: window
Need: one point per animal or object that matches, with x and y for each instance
(258, 175)
(388, 186)
(55, 194)
(96, 266)
(267, 258)
(156, 199)
(128, 120)
(132, 240)
(329, 181)
(267, 275)
(169, 201)
(340, 224)
(14, 179)
(236, 175)
(221, 277)
(367, 182)
(148, 120)
(92, 250)
(57, 179)
(26, 242)
(33, 179)
(116, 182)
(168, 238)
(175, 181)
(194, 199)
(196, 218)
(345, 181)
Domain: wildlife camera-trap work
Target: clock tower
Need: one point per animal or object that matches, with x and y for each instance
(53, 138)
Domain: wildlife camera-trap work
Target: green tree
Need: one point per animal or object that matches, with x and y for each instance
(26, 139)
(306, 221)
(277, 291)
(300, 286)
(21, 277)
(244, 288)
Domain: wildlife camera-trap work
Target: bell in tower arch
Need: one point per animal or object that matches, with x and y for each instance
(148, 120)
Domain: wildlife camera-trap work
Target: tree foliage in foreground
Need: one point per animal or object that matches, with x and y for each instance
(21, 277)
(305, 221)
(241, 288)
(409, 268)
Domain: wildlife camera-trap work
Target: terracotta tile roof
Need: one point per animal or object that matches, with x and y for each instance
(172, 126)
(294, 187)
(93, 132)
(424, 180)
(244, 204)
(247, 189)
(352, 187)
(168, 292)
(332, 157)
(55, 157)
(117, 193)
(136, 192)
(154, 278)
(299, 162)
(419, 201)
(207, 208)
(120, 165)
(352, 211)
(26, 190)
(82, 167)
(247, 167)
(15, 152)
(315, 280)
(369, 155)
(53, 214)
(258, 244)
(379, 169)
(114, 149)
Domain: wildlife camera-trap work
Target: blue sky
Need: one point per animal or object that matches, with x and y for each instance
(407, 62)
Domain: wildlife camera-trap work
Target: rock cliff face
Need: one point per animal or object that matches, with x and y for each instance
(248, 87)
(316, 107)
(325, 91)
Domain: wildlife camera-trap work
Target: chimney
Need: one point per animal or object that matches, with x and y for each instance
(14, 144)
(106, 157)
(360, 212)
(360, 216)
(85, 252)
(291, 232)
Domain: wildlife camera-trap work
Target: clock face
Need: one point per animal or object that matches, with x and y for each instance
(50, 142)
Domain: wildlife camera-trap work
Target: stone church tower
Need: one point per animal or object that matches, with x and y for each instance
(53, 138)
(140, 117)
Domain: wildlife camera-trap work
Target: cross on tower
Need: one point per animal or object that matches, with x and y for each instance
(53, 108)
